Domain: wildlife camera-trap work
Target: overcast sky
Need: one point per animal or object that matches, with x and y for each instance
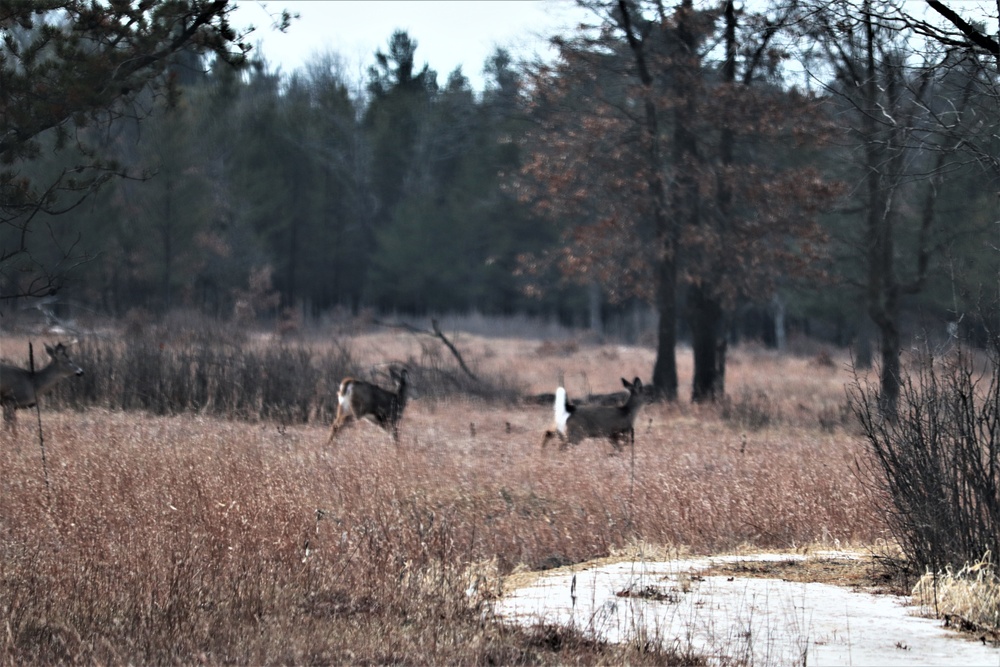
(448, 33)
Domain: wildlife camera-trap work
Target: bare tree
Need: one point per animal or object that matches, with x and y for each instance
(904, 122)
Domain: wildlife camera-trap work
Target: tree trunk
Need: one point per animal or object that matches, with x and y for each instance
(883, 292)
(704, 307)
(705, 318)
(863, 344)
(166, 241)
(778, 308)
(665, 366)
(889, 373)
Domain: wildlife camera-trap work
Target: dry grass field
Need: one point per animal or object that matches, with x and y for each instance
(195, 539)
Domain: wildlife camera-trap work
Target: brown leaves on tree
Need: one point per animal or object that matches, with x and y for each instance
(757, 219)
(584, 176)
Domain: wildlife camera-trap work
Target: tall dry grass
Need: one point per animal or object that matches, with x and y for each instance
(187, 538)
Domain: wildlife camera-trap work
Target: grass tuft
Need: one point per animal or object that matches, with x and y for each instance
(750, 410)
(969, 596)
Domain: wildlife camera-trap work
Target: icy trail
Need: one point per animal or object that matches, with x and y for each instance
(745, 620)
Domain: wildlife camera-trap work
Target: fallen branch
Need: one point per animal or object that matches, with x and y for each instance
(434, 332)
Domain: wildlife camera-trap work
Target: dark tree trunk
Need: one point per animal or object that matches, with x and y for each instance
(883, 293)
(665, 366)
(889, 372)
(704, 306)
(166, 240)
(705, 318)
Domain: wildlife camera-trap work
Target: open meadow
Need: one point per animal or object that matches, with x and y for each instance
(187, 537)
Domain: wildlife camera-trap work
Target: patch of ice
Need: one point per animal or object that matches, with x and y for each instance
(745, 620)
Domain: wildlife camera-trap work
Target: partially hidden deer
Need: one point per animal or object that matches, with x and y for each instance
(357, 399)
(574, 423)
(20, 388)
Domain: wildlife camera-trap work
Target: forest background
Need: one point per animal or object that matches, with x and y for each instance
(726, 171)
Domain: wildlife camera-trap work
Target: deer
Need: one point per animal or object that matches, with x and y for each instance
(574, 423)
(357, 399)
(20, 388)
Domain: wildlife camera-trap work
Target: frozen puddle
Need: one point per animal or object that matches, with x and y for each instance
(741, 620)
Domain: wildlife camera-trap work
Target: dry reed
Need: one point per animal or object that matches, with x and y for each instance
(187, 538)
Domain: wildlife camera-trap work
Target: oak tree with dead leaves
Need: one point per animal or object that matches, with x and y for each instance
(667, 170)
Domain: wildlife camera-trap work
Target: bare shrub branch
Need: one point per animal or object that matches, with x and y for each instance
(938, 461)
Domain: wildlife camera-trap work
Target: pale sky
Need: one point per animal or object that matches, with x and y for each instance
(448, 33)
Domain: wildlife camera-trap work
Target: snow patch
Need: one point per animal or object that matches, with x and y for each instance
(741, 620)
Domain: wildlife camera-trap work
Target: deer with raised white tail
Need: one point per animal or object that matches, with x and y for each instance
(20, 388)
(357, 399)
(575, 423)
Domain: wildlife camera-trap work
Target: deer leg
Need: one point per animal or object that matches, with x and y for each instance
(10, 418)
(343, 416)
(563, 440)
(622, 438)
(548, 436)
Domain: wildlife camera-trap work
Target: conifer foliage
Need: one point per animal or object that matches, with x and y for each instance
(66, 66)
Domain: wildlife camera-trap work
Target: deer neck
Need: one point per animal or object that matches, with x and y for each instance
(632, 404)
(47, 376)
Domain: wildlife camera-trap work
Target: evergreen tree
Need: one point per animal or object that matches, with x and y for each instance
(68, 65)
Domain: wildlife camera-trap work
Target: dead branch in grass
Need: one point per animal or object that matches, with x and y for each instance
(434, 332)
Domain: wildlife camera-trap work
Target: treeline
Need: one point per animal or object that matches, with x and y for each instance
(389, 197)
(252, 193)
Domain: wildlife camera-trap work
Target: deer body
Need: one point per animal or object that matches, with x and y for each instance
(575, 423)
(357, 399)
(20, 388)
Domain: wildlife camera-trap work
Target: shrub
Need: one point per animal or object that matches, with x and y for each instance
(171, 370)
(938, 461)
(750, 410)
(281, 382)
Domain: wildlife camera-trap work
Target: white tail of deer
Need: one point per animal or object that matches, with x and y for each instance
(20, 388)
(575, 423)
(357, 399)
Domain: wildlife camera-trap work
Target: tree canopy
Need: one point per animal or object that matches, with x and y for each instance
(66, 67)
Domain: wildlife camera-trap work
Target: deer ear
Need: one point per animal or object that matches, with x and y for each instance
(49, 349)
(625, 383)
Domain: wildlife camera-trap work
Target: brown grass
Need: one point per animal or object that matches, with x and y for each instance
(190, 539)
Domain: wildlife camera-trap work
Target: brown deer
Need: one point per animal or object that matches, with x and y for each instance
(575, 422)
(20, 388)
(357, 399)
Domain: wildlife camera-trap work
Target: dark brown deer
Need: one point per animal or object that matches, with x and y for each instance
(357, 399)
(20, 388)
(575, 423)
